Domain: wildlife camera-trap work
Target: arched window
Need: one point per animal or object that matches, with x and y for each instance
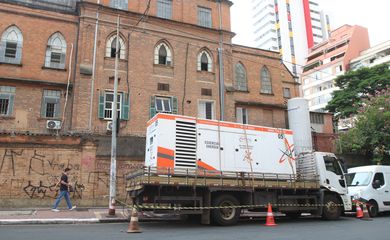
(11, 45)
(266, 85)
(111, 47)
(240, 77)
(205, 62)
(56, 51)
(163, 54)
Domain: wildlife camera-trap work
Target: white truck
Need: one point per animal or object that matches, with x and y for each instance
(216, 169)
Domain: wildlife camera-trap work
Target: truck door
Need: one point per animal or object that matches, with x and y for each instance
(334, 175)
(380, 188)
(386, 201)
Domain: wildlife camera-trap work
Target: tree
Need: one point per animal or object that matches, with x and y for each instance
(371, 134)
(355, 86)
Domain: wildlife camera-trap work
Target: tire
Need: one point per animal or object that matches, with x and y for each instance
(332, 209)
(293, 215)
(373, 209)
(225, 216)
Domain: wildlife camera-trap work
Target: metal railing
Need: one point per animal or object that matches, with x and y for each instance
(197, 177)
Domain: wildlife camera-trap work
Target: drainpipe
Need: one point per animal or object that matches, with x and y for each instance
(74, 71)
(68, 83)
(221, 73)
(93, 68)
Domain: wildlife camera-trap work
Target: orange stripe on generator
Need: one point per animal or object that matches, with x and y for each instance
(164, 162)
(205, 166)
(166, 151)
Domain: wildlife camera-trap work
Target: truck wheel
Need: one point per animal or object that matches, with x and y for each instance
(373, 209)
(225, 216)
(332, 208)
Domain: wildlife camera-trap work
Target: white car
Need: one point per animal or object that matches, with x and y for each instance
(371, 183)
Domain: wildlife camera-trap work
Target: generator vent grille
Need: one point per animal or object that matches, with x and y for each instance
(185, 149)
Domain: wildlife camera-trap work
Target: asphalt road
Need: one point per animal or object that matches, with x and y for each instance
(347, 228)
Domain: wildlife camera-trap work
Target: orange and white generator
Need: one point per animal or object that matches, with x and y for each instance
(174, 141)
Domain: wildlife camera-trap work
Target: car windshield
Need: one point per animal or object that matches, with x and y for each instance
(358, 179)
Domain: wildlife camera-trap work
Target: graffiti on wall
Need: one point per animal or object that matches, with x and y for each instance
(33, 173)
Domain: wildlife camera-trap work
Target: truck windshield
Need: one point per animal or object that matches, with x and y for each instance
(358, 179)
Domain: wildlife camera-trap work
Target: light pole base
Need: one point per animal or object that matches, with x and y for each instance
(111, 212)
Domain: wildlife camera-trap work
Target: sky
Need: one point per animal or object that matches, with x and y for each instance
(374, 15)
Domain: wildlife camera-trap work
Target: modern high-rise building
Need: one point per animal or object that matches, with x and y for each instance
(373, 56)
(290, 28)
(329, 59)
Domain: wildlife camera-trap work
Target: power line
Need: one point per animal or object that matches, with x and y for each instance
(144, 31)
(211, 40)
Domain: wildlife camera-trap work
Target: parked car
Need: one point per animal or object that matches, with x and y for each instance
(371, 183)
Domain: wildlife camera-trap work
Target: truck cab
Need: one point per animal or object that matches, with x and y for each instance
(331, 176)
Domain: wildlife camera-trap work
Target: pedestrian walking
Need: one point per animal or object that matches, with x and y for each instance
(64, 192)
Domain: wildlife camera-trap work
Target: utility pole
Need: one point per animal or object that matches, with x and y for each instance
(111, 210)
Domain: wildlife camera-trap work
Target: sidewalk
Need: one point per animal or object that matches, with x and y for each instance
(46, 216)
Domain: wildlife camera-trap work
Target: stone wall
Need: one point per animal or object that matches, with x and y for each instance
(30, 169)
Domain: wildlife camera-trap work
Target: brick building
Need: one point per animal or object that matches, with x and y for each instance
(57, 88)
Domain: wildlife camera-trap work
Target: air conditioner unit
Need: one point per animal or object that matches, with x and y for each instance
(109, 126)
(53, 124)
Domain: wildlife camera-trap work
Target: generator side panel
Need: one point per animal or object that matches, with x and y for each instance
(160, 143)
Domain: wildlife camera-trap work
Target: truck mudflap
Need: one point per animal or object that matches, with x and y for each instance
(347, 202)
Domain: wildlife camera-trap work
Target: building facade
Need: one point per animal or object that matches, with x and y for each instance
(328, 60)
(290, 28)
(57, 65)
(373, 56)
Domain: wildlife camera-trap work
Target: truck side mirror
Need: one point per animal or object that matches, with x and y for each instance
(376, 184)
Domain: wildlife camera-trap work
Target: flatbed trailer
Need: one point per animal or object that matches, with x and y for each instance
(220, 196)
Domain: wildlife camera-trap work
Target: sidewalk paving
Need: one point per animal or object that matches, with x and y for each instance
(46, 216)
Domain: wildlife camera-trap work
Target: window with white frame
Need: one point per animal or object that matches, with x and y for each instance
(111, 47)
(163, 105)
(119, 4)
(205, 61)
(11, 46)
(7, 95)
(266, 85)
(240, 78)
(206, 109)
(204, 17)
(51, 104)
(242, 115)
(162, 54)
(286, 93)
(164, 9)
(56, 52)
(109, 104)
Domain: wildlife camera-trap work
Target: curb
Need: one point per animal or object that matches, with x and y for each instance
(49, 221)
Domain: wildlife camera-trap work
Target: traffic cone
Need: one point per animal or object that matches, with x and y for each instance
(366, 215)
(133, 225)
(270, 217)
(359, 212)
